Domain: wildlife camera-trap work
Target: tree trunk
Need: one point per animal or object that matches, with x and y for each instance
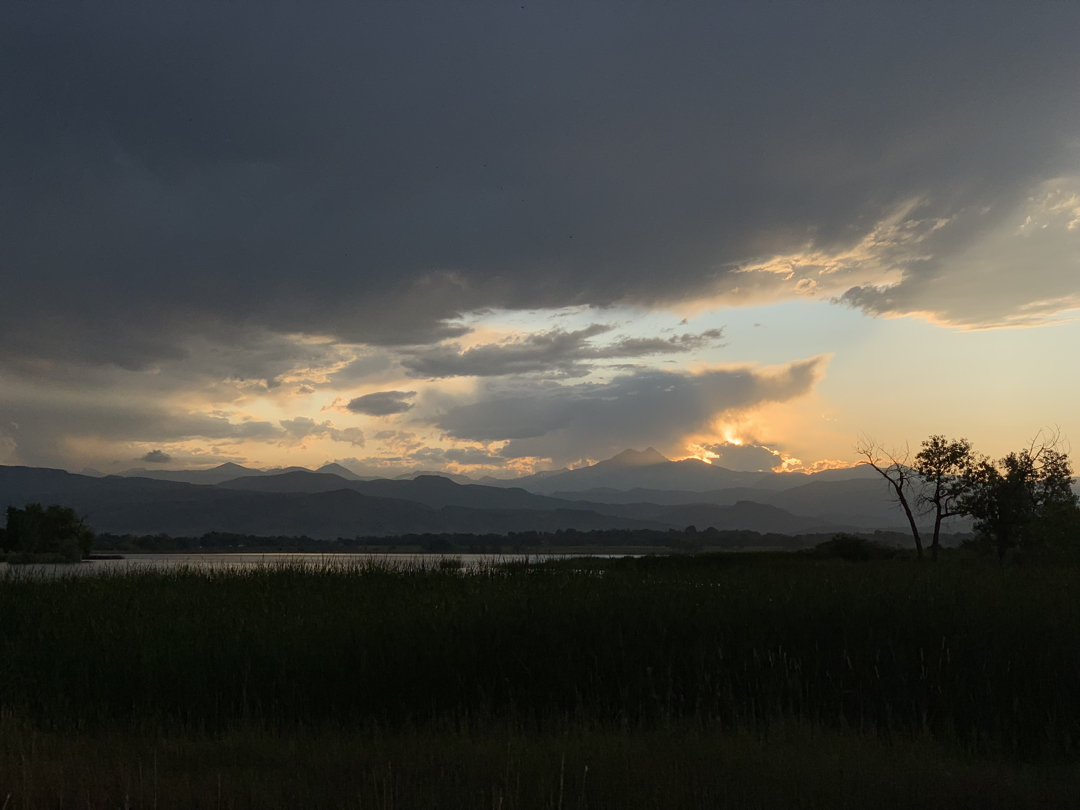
(911, 519)
(1004, 542)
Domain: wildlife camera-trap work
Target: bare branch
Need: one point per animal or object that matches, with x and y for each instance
(894, 466)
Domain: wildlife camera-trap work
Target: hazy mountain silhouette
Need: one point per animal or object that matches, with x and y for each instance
(634, 489)
(629, 470)
(648, 470)
(213, 475)
(664, 497)
(520, 481)
(689, 474)
(438, 492)
(229, 471)
(455, 477)
(740, 515)
(859, 502)
(21, 484)
(332, 468)
(324, 505)
(150, 506)
(634, 458)
(431, 490)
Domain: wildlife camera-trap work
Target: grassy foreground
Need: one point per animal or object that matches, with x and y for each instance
(767, 680)
(790, 767)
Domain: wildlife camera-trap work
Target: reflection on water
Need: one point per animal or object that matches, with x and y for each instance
(142, 562)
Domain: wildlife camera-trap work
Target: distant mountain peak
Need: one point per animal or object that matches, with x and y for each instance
(333, 468)
(432, 479)
(457, 478)
(637, 458)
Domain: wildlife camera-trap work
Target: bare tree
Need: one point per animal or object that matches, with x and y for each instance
(894, 467)
(944, 467)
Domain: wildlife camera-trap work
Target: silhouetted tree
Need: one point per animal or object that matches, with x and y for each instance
(56, 530)
(943, 467)
(1017, 500)
(895, 468)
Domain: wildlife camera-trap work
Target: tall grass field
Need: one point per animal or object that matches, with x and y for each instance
(749, 680)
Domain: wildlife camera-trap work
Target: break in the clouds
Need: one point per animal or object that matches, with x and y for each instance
(302, 427)
(461, 456)
(744, 457)
(382, 403)
(567, 423)
(557, 351)
(211, 212)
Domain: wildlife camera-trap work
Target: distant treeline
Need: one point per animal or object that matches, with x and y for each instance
(688, 539)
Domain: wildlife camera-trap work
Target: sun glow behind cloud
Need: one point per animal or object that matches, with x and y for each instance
(809, 432)
(226, 292)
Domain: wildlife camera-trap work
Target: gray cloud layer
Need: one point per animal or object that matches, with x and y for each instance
(557, 351)
(465, 456)
(189, 188)
(382, 403)
(41, 429)
(370, 171)
(301, 427)
(569, 422)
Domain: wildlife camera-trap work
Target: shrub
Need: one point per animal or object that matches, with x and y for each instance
(853, 548)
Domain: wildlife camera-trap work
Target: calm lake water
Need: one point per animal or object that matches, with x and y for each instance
(138, 562)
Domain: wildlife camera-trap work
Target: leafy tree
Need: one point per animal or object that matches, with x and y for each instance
(944, 467)
(53, 531)
(896, 469)
(1024, 499)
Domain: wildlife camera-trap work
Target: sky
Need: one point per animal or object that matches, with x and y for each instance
(499, 238)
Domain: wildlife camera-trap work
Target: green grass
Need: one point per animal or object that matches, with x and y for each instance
(703, 660)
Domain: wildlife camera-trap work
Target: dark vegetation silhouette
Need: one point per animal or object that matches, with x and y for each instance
(667, 676)
(258, 669)
(1023, 501)
(943, 467)
(853, 548)
(894, 466)
(45, 534)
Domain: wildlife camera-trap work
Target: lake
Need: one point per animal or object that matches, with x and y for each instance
(138, 562)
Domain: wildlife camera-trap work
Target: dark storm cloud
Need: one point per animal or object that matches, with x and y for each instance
(216, 361)
(156, 457)
(556, 351)
(570, 422)
(382, 403)
(370, 172)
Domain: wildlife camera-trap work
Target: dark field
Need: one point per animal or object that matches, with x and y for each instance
(750, 680)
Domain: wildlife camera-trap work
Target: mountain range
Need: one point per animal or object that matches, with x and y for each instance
(635, 489)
